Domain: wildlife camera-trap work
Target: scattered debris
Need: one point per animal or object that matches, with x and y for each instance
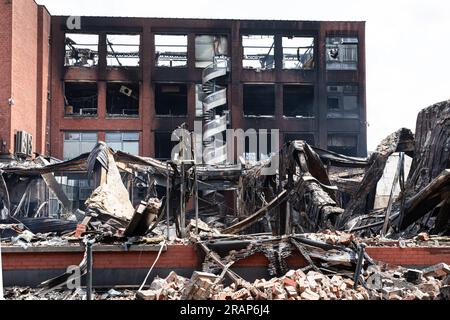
(318, 203)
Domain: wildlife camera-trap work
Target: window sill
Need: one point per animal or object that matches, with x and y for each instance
(82, 67)
(115, 117)
(170, 116)
(258, 70)
(74, 116)
(175, 68)
(299, 118)
(259, 116)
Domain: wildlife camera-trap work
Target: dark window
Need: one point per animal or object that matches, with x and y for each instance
(333, 103)
(343, 144)
(164, 145)
(122, 99)
(171, 99)
(298, 101)
(81, 98)
(343, 102)
(293, 136)
(259, 100)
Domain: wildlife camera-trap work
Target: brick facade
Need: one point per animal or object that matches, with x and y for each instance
(24, 54)
(32, 45)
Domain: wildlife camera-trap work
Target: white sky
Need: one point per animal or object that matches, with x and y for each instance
(407, 43)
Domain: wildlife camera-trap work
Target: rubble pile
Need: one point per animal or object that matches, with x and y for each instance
(317, 202)
(29, 294)
(394, 284)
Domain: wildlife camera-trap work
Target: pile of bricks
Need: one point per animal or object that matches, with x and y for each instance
(399, 284)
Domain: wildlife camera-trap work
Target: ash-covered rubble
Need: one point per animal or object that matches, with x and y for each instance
(318, 203)
(381, 284)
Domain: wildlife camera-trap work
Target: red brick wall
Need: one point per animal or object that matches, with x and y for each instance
(187, 257)
(5, 71)
(24, 67)
(43, 66)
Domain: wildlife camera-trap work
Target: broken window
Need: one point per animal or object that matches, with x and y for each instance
(259, 100)
(171, 50)
(293, 136)
(171, 99)
(208, 48)
(343, 144)
(123, 50)
(342, 102)
(123, 141)
(80, 98)
(298, 101)
(342, 53)
(76, 186)
(81, 50)
(298, 53)
(78, 143)
(164, 145)
(122, 99)
(259, 52)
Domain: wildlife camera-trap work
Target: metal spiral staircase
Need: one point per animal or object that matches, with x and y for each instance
(213, 97)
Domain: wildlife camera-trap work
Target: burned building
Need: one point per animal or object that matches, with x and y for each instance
(132, 81)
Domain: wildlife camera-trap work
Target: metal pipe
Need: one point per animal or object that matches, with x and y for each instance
(182, 204)
(359, 265)
(168, 202)
(2, 296)
(89, 270)
(196, 200)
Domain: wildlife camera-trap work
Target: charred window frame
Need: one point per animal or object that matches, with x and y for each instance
(123, 50)
(298, 101)
(171, 99)
(259, 100)
(342, 53)
(209, 48)
(296, 136)
(164, 145)
(298, 52)
(259, 52)
(343, 101)
(80, 99)
(124, 141)
(122, 99)
(171, 50)
(78, 143)
(81, 50)
(346, 144)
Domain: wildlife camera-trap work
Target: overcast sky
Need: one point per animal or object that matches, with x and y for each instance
(408, 43)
